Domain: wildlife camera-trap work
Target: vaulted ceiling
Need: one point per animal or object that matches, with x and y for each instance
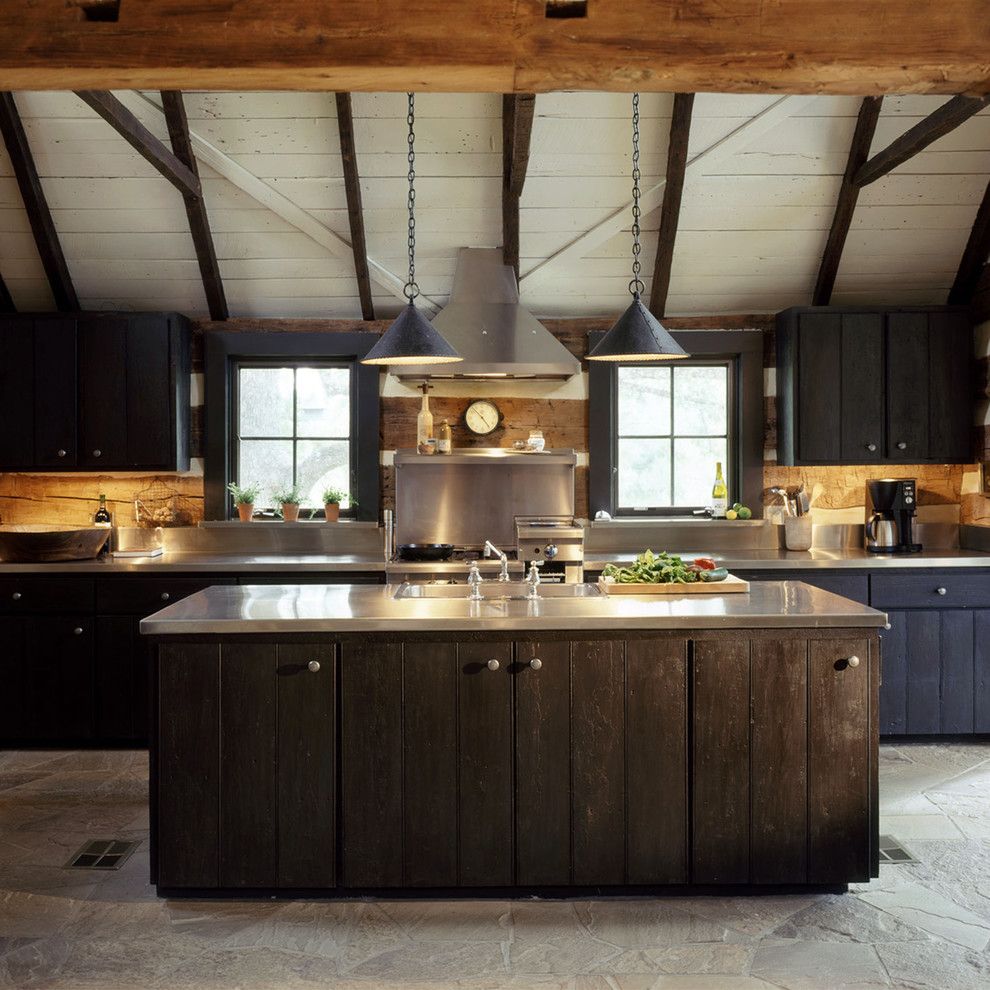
(762, 178)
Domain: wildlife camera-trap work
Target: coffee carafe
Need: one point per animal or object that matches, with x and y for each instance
(891, 505)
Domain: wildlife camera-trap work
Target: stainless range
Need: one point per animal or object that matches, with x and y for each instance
(555, 541)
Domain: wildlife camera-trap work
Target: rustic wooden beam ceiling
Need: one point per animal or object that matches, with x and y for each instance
(517, 129)
(938, 123)
(199, 222)
(859, 151)
(670, 212)
(814, 46)
(974, 256)
(142, 140)
(355, 213)
(6, 299)
(36, 205)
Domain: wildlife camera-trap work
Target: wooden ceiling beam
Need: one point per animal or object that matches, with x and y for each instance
(36, 205)
(355, 211)
(199, 223)
(142, 140)
(938, 123)
(490, 46)
(670, 212)
(517, 130)
(974, 256)
(859, 151)
(6, 299)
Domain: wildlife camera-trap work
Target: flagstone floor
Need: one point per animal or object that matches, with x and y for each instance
(917, 926)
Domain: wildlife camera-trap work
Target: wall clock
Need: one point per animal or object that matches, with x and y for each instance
(482, 417)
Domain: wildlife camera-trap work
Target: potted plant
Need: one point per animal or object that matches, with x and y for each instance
(288, 499)
(332, 498)
(244, 499)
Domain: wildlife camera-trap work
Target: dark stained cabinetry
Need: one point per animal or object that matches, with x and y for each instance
(95, 391)
(868, 386)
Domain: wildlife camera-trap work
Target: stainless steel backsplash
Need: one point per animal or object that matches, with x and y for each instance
(262, 538)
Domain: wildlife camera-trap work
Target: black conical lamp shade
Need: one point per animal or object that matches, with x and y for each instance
(411, 339)
(637, 335)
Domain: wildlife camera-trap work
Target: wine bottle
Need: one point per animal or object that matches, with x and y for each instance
(102, 519)
(424, 421)
(444, 440)
(720, 494)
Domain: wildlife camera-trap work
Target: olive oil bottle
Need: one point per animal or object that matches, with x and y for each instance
(720, 494)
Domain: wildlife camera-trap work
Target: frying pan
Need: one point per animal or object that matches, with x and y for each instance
(425, 551)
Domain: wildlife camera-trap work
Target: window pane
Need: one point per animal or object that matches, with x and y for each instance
(265, 402)
(322, 464)
(694, 469)
(267, 463)
(644, 401)
(323, 402)
(701, 401)
(644, 473)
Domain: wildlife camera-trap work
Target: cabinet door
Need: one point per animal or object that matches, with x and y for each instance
(103, 389)
(122, 664)
(17, 392)
(13, 675)
(907, 387)
(923, 671)
(58, 678)
(861, 389)
(819, 373)
(150, 408)
(950, 376)
(841, 774)
(956, 683)
(55, 443)
(981, 670)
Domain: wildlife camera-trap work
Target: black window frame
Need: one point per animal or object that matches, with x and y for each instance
(228, 351)
(742, 351)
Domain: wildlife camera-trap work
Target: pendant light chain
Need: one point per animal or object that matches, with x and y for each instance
(636, 286)
(411, 289)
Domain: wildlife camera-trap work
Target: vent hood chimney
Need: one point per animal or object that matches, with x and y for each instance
(496, 337)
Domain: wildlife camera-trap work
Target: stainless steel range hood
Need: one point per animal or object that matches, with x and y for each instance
(496, 337)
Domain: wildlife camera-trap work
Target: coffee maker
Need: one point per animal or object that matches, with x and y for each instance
(891, 505)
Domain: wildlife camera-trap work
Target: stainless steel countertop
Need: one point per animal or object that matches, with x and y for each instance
(354, 608)
(208, 562)
(752, 560)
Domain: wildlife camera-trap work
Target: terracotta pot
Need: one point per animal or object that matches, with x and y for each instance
(246, 511)
(332, 511)
(290, 511)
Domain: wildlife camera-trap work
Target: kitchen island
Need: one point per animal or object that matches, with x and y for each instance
(346, 740)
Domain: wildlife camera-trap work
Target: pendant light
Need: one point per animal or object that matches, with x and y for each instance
(411, 339)
(637, 335)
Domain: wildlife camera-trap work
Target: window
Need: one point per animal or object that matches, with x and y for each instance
(293, 425)
(672, 428)
(658, 429)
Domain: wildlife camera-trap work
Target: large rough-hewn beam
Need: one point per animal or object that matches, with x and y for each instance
(199, 222)
(974, 256)
(859, 151)
(517, 129)
(36, 205)
(670, 212)
(355, 211)
(491, 46)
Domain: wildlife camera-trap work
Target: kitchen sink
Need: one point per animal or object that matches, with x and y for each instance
(497, 591)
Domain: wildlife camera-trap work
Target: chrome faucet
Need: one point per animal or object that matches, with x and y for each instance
(474, 582)
(490, 548)
(533, 579)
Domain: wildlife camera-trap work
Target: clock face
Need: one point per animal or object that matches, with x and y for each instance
(481, 417)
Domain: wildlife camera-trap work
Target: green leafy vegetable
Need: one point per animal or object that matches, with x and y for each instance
(653, 568)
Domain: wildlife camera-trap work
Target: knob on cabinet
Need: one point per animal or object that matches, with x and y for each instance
(536, 663)
(165, 596)
(61, 452)
(16, 596)
(313, 666)
(493, 665)
(871, 447)
(97, 452)
(852, 661)
(77, 631)
(941, 591)
(901, 445)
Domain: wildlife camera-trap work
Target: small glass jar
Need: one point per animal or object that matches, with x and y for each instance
(536, 440)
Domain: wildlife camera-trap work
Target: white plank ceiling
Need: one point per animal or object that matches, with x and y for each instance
(754, 220)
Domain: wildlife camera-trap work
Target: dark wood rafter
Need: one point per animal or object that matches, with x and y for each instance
(517, 129)
(6, 300)
(974, 256)
(859, 151)
(937, 124)
(142, 140)
(670, 212)
(355, 212)
(199, 222)
(36, 205)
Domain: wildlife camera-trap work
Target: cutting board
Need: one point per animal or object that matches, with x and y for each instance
(730, 585)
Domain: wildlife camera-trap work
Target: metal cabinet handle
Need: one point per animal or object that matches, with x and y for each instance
(886, 625)
(536, 663)
(871, 447)
(61, 452)
(16, 596)
(493, 665)
(78, 631)
(901, 445)
(941, 591)
(97, 452)
(313, 666)
(165, 596)
(852, 661)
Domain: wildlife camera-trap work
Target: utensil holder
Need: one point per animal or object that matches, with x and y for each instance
(797, 532)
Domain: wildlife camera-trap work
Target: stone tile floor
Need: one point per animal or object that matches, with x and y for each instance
(918, 926)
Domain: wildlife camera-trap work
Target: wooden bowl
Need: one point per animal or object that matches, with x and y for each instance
(49, 544)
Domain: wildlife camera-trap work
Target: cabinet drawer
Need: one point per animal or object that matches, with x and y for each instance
(853, 586)
(143, 596)
(942, 589)
(44, 594)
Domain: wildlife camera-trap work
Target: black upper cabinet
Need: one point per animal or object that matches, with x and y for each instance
(96, 391)
(874, 386)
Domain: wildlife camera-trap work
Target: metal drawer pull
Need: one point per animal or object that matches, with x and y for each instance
(887, 625)
(16, 596)
(313, 666)
(61, 452)
(78, 631)
(165, 596)
(852, 662)
(493, 665)
(901, 445)
(97, 452)
(536, 663)
(871, 447)
(941, 591)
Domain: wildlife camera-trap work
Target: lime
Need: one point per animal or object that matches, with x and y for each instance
(731, 514)
(745, 513)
